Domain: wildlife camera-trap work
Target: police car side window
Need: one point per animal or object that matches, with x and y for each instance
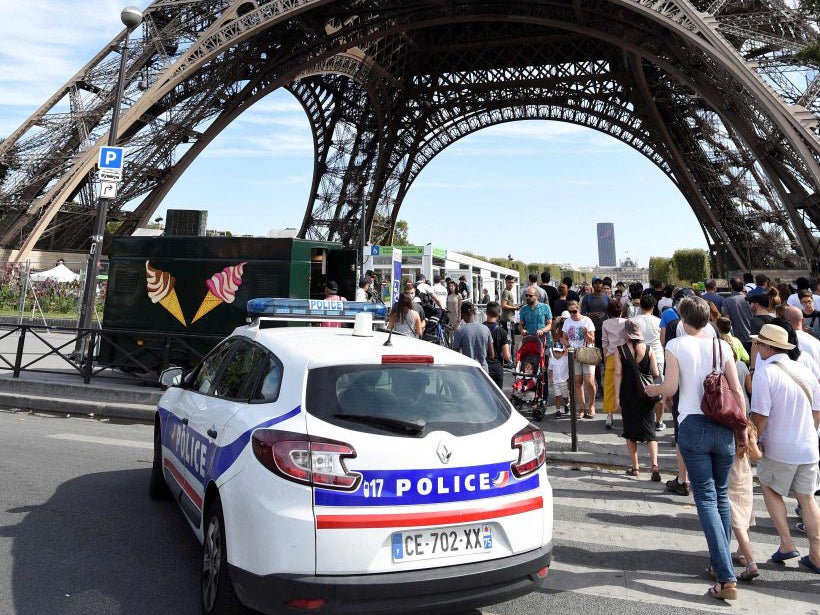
(207, 372)
(235, 379)
(270, 380)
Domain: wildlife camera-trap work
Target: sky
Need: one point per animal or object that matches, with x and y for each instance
(530, 189)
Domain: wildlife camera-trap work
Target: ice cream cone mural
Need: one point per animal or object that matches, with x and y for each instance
(222, 288)
(161, 290)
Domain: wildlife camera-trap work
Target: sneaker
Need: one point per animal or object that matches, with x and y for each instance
(660, 426)
(800, 527)
(609, 422)
(798, 512)
(566, 409)
(558, 414)
(675, 486)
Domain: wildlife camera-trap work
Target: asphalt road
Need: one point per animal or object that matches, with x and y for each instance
(79, 535)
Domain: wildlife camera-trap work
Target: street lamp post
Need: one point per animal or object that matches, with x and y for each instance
(131, 18)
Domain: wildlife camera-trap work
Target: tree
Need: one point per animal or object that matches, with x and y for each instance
(660, 268)
(400, 234)
(691, 265)
(810, 54)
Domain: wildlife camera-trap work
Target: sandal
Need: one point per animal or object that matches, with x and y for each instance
(633, 472)
(740, 559)
(750, 573)
(724, 591)
(656, 474)
(589, 415)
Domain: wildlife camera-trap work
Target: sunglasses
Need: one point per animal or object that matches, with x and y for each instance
(573, 311)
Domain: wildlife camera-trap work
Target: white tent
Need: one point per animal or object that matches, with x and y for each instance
(60, 273)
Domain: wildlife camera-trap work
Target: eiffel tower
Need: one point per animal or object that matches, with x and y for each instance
(711, 91)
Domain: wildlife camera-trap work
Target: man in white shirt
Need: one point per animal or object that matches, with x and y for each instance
(440, 290)
(423, 287)
(786, 412)
(802, 284)
(361, 292)
(806, 342)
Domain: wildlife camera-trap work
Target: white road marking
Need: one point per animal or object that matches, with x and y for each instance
(107, 441)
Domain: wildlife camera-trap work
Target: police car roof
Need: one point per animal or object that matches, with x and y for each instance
(321, 346)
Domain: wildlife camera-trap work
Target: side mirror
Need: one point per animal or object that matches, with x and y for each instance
(171, 377)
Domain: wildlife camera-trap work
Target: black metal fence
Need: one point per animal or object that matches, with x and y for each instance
(130, 353)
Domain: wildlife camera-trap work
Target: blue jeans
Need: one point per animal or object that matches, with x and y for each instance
(708, 450)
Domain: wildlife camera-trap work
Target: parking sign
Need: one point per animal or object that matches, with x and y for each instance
(111, 158)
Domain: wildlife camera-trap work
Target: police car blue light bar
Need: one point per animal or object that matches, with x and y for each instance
(313, 309)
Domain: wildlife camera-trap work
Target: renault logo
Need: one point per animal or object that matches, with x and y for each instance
(444, 453)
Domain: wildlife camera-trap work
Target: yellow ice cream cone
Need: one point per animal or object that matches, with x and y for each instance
(208, 303)
(171, 303)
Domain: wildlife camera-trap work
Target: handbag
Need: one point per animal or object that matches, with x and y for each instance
(642, 380)
(719, 403)
(588, 355)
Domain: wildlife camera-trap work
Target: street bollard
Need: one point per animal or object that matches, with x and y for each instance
(573, 415)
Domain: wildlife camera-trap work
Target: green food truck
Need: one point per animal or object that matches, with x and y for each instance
(194, 286)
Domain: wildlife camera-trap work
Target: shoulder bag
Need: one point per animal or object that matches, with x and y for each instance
(641, 380)
(719, 403)
(588, 355)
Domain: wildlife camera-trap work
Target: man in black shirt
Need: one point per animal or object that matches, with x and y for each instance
(571, 295)
(760, 312)
(552, 292)
(501, 344)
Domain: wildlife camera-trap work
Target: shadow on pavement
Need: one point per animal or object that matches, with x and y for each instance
(100, 545)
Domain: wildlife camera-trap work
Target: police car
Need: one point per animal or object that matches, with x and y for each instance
(339, 470)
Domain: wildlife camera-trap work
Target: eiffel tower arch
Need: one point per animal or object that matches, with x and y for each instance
(709, 91)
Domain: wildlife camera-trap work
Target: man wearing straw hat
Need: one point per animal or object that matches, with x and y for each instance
(786, 411)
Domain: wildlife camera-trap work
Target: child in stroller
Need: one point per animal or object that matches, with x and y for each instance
(528, 386)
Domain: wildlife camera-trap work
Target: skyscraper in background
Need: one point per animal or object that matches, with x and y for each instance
(606, 244)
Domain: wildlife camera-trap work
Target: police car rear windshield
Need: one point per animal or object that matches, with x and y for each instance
(406, 400)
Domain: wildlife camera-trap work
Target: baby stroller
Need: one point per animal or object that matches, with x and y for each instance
(530, 371)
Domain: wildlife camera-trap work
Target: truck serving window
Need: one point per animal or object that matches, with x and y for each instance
(406, 400)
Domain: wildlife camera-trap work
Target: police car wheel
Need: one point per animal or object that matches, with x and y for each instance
(217, 592)
(158, 488)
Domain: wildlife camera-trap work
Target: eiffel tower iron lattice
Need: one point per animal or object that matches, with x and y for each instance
(709, 91)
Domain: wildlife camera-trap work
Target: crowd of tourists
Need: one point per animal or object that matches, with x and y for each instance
(656, 346)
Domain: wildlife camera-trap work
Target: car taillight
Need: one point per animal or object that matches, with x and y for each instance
(532, 451)
(317, 462)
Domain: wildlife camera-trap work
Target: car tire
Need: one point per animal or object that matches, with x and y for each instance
(217, 595)
(158, 488)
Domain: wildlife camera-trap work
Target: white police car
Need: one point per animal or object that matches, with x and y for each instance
(326, 471)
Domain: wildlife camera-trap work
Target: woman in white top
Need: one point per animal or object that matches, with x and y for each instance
(612, 336)
(708, 449)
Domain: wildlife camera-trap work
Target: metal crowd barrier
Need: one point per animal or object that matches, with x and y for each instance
(60, 350)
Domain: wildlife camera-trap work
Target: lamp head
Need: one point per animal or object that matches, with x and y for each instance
(131, 17)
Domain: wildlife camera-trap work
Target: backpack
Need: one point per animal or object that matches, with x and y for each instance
(671, 331)
(429, 305)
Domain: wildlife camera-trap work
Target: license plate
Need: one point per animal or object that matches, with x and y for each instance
(416, 545)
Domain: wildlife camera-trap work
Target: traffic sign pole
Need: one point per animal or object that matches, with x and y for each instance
(95, 251)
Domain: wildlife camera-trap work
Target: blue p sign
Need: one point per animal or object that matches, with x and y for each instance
(111, 158)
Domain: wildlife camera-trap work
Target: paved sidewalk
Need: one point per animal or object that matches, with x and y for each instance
(118, 397)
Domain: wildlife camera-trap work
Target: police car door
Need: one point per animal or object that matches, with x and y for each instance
(185, 439)
(229, 395)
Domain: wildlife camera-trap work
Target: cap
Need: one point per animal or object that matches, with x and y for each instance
(596, 279)
(509, 278)
(633, 330)
(772, 335)
(331, 285)
(436, 279)
(370, 273)
(364, 280)
(565, 314)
